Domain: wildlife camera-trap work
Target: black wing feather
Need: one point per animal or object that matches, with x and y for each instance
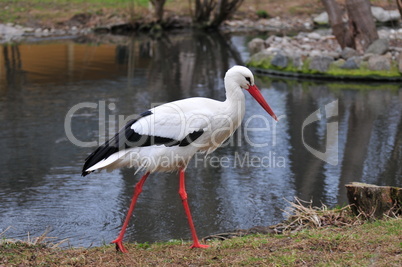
(128, 138)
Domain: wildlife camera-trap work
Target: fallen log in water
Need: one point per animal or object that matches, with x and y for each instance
(373, 201)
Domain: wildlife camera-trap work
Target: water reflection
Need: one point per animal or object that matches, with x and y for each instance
(368, 144)
(40, 169)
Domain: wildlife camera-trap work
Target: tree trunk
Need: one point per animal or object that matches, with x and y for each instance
(373, 201)
(158, 9)
(224, 10)
(203, 11)
(399, 4)
(211, 13)
(359, 31)
(339, 28)
(362, 23)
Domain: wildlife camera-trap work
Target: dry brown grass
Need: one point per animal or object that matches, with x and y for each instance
(303, 214)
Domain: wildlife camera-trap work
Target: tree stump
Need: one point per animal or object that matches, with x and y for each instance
(373, 201)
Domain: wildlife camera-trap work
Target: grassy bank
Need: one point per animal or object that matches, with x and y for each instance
(335, 72)
(377, 243)
(53, 12)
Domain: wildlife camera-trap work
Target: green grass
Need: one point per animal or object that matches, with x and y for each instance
(22, 11)
(364, 71)
(375, 243)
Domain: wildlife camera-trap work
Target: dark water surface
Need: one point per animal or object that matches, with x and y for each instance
(241, 185)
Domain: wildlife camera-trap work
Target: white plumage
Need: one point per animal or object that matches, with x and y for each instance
(165, 138)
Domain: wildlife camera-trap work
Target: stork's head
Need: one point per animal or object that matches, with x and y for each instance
(243, 77)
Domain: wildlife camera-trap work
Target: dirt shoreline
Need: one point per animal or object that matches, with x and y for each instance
(81, 24)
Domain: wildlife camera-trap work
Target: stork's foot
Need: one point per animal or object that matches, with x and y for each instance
(119, 245)
(198, 245)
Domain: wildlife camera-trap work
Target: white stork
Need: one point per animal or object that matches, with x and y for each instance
(166, 137)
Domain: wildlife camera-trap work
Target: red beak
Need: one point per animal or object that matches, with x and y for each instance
(255, 92)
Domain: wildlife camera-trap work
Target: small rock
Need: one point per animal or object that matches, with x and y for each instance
(315, 53)
(377, 62)
(306, 47)
(261, 56)
(385, 15)
(297, 61)
(289, 52)
(270, 39)
(384, 33)
(322, 19)
(378, 47)
(332, 54)
(256, 45)
(273, 50)
(7, 29)
(60, 32)
(307, 25)
(367, 56)
(348, 52)
(38, 32)
(388, 55)
(320, 63)
(285, 41)
(280, 60)
(29, 29)
(314, 35)
(351, 63)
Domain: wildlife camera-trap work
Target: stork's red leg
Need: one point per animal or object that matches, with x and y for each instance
(137, 191)
(183, 195)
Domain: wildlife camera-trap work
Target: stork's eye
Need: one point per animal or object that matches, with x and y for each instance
(248, 79)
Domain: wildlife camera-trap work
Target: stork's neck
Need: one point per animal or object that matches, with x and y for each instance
(235, 100)
(234, 94)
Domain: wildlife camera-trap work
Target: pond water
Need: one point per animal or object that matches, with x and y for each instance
(59, 98)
